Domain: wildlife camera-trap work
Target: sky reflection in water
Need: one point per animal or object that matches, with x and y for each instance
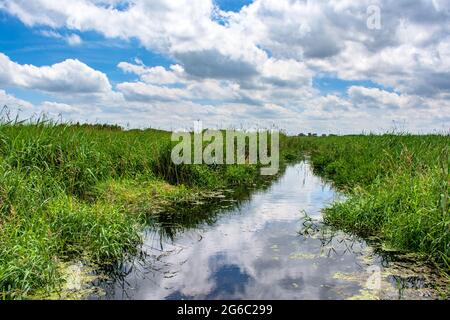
(252, 251)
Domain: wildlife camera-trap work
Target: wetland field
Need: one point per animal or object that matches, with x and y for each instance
(99, 212)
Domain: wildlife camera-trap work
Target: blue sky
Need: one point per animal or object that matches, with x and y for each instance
(28, 46)
(155, 63)
(25, 45)
(232, 5)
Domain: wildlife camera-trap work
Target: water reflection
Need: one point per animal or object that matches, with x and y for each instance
(251, 250)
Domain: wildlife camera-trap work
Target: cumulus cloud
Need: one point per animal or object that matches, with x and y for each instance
(259, 62)
(286, 73)
(409, 52)
(331, 36)
(139, 91)
(156, 75)
(376, 99)
(182, 29)
(69, 76)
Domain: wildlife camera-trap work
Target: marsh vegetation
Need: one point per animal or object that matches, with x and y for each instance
(398, 190)
(71, 192)
(85, 193)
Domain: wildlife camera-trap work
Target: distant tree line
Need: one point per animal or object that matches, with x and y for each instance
(311, 134)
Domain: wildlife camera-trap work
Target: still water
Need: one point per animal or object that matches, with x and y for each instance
(261, 247)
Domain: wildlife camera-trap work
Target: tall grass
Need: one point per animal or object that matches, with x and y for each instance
(398, 189)
(81, 192)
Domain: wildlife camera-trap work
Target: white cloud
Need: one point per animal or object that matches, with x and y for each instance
(74, 40)
(71, 39)
(377, 98)
(257, 64)
(56, 108)
(69, 76)
(287, 73)
(182, 29)
(331, 36)
(139, 91)
(408, 52)
(155, 75)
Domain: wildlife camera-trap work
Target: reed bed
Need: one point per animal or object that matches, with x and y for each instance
(73, 192)
(397, 189)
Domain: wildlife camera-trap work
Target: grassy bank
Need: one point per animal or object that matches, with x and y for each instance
(71, 193)
(397, 187)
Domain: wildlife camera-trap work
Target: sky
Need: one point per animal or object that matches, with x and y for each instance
(322, 66)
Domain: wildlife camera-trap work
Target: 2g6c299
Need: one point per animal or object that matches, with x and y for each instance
(247, 309)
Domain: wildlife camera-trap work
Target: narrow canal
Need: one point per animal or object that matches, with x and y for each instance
(263, 247)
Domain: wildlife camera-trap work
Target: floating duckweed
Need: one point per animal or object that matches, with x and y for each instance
(301, 255)
(275, 248)
(365, 295)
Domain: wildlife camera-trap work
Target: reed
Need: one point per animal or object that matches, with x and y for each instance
(397, 189)
(72, 192)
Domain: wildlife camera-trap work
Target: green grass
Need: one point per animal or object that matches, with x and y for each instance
(84, 193)
(397, 189)
(71, 193)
